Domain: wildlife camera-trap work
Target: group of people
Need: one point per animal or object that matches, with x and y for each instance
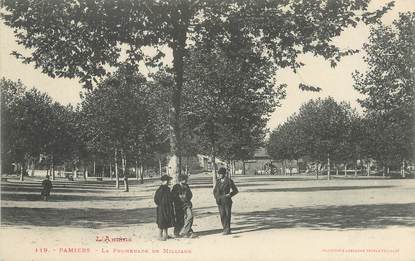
(174, 207)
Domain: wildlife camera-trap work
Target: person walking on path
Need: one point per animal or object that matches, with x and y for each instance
(224, 190)
(165, 213)
(182, 196)
(46, 188)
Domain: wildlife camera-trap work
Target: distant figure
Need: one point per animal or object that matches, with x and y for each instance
(223, 196)
(165, 213)
(46, 188)
(182, 196)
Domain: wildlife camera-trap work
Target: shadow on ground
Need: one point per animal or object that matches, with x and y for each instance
(75, 217)
(329, 218)
(66, 198)
(239, 185)
(311, 189)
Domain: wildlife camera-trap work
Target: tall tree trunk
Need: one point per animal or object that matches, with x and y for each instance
(33, 168)
(361, 168)
(317, 170)
(94, 173)
(345, 169)
(187, 166)
(117, 178)
(110, 169)
(213, 160)
(368, 168)
(243, 168)
(180, 27)
(328, 167)
(124, 171)
(160, 167)
(142, 173)
(230, 168)
(233, 167)
(403, 169)
(356, 167)
(53, 168)
(136, 170)
(383, 171)
(284, 172)
(173, 167)
(298, 167)
(388, 171)
(27, 165)
(21, 172)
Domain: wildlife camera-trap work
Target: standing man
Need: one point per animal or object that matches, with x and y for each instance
(223, 196)
(46, 188)
(182, 196)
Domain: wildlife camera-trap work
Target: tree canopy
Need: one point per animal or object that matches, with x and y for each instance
(83, 39)
(389, 88)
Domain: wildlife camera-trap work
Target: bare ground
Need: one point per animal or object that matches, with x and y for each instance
(274, 218)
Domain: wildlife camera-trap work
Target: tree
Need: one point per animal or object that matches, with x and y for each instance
(27, 127)
(389, 88)
(62, 142)
(118, 119)
(285, 141)
(11, 94)
(83, 38)
(321, 130)
(228, 101)
(33, 125)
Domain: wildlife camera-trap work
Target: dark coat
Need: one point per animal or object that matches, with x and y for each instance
(47, 187)
(165, 213)
(223, 188)
(182, 196)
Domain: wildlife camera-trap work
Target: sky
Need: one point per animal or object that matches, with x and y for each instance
(337, 82)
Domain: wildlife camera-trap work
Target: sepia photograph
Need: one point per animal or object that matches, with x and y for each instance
(207, 130)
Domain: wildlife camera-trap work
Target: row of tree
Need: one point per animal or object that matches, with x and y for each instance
(325, 130)
(33, 127)
(84, 40)
(123, 122)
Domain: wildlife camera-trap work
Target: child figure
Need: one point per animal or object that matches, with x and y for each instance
(46, 188)
(182, 196)
(165, 212)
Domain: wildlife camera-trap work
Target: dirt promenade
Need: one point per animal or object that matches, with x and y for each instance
(274, 218)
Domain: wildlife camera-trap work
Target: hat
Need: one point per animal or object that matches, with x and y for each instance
(165, 177)
(183, 177)
(222, 171)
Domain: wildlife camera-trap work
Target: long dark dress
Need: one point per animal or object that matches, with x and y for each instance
(47, 186)
(165, 212)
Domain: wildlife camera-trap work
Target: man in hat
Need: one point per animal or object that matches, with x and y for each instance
(46, 188)
(165, 213)
(224, 190)
(182, 196)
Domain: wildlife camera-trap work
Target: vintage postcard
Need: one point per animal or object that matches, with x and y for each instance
(207, 130)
